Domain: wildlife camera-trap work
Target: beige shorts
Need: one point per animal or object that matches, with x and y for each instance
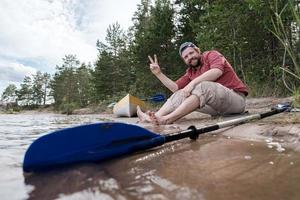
(215, 99)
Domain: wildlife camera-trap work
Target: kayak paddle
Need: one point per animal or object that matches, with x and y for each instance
(101, 141)
(156, 98)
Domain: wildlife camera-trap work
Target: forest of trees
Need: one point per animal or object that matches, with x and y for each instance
(260, 38)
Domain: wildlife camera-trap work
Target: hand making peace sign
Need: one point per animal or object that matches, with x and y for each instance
(154, 67)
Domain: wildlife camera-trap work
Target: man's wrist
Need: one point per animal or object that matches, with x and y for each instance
(158, 73)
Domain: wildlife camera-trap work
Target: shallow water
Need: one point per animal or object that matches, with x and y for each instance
(16, 133)
(213, 167)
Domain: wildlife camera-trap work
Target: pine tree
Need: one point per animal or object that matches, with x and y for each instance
(154, 32)
(9, 94)
(64, 84)
(25, 93)
(84, 80)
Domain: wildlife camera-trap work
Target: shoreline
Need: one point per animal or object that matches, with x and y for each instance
(253, 104)
(280, 131)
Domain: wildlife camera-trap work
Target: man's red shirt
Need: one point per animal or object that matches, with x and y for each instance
(210, 60)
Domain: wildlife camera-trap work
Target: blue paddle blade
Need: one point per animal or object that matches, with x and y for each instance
(157, 98)
(85, 143)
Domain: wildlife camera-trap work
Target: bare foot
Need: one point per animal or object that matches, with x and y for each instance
(143, 117)
(153, 119)
(157, 120)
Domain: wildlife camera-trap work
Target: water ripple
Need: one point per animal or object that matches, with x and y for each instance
(17, 132)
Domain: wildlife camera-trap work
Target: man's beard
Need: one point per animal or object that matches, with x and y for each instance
(195, 64)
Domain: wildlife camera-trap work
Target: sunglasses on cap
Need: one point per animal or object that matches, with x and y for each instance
(185, 45)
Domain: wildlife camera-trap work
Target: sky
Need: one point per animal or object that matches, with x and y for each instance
(37, 34)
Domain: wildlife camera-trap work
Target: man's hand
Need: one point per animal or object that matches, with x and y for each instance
(154, 67)
(187, 90)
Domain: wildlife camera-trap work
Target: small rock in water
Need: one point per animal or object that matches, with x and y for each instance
(248, 157)
(269, 140)
(279, 148)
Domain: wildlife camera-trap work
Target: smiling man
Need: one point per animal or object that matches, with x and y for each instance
(209, 85)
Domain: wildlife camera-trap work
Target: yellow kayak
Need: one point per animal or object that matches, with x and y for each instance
(126, 107)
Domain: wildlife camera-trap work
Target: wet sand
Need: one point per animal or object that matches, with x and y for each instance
(214, 167)
(256, 160)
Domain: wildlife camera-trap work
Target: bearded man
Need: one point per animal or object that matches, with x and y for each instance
(210, 85)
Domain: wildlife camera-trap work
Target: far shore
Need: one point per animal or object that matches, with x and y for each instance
(252, 104)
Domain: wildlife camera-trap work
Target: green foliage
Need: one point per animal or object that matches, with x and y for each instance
(72, 83)
(40, 87)
(33, 91)
(25, 94)
(113, 72)
(10, 94)
(101, 76)
(288, 35)
(240, 30)
(85, 85)
(190, 11)
(116, 39)
(296, 98)
(154, 32)
(64, 83)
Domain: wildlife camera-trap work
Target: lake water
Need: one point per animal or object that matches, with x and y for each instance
(213, 167)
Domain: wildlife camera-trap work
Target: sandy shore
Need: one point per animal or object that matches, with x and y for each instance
(281, 130)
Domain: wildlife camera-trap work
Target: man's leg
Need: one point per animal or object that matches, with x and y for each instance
(187, 106)
(208, 110)
(172, 103)
(219, 99)
(209, 97)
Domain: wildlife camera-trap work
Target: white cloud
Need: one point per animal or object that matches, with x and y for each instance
(41, 28)
(15, 72)
(44, 31)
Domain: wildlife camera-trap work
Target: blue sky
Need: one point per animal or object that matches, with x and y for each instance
(36, 34)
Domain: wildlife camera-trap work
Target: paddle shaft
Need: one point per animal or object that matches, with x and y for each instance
(193, 132)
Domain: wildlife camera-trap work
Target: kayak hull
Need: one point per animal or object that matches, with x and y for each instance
(126, 107)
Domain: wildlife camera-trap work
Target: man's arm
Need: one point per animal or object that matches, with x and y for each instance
(210, 75)
(155, 69)
(171, 85)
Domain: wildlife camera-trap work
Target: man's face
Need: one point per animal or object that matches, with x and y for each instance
(191, 57)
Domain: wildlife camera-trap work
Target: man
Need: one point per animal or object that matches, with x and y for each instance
(209, 84)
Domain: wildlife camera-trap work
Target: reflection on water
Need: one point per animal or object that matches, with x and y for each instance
(213, 167)
(16, 133)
